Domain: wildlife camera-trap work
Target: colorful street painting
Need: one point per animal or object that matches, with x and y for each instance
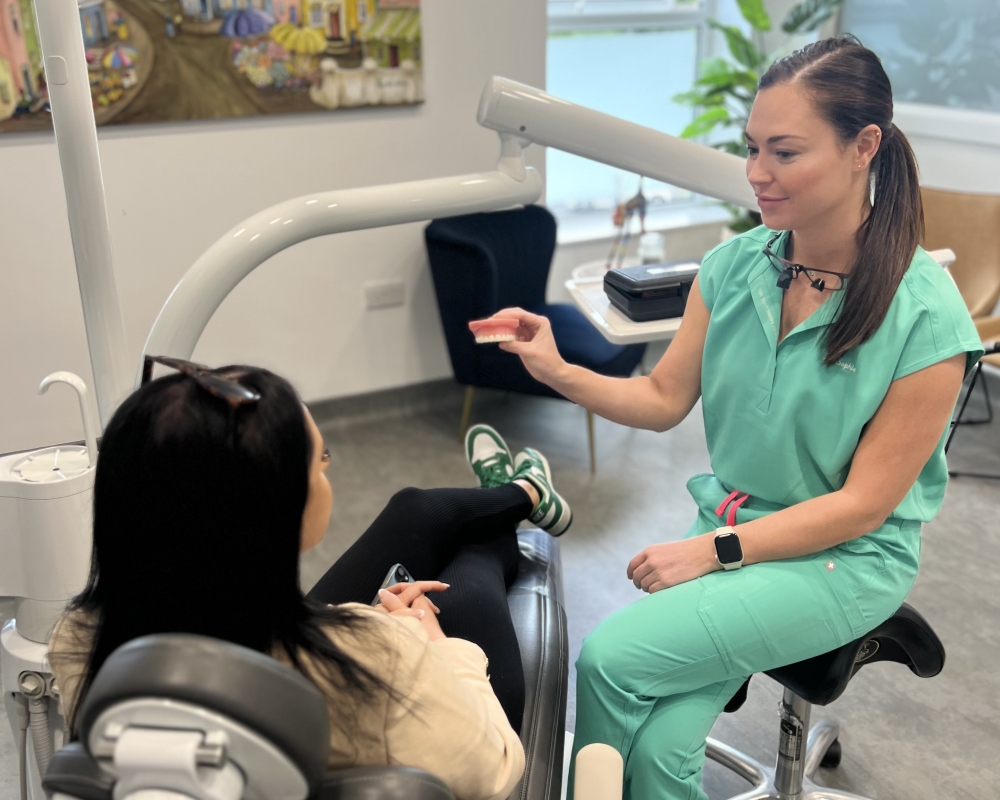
(174, 60)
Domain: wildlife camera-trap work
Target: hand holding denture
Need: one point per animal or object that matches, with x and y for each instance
(526, 335)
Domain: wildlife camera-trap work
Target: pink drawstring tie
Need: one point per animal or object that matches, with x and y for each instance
(740, 498)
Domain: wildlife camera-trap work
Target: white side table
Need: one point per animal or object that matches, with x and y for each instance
(586, 287)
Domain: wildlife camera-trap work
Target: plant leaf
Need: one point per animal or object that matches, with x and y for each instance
(743, 49)
(720, 73)
(700, 97)
(809, 15)
(753, 11)
(733, 148)
(704, 122)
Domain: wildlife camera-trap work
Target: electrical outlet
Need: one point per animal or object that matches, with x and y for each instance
(384, 294)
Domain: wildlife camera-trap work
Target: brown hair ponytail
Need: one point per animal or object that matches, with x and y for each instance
(852, 91)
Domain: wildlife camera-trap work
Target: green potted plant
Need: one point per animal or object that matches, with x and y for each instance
(725, 89)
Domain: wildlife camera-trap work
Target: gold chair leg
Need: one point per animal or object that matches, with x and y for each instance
(590, 440)
(463, 426)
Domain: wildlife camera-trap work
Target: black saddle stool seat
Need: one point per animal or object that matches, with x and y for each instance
(905, 638)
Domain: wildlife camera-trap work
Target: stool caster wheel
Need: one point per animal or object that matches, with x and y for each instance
(831, 759)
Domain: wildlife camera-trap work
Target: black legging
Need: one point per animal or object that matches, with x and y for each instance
(463, 537)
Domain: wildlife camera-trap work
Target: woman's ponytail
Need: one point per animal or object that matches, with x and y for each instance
(851, 91)
(886, 243)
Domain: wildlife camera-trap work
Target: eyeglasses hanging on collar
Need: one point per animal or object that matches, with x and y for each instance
(822, 280)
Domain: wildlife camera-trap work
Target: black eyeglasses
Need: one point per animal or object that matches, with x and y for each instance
(820, 279)
(218, 385)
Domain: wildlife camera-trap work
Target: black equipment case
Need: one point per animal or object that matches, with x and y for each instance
(651, 291)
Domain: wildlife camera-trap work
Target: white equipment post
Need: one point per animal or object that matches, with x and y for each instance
(61, 40)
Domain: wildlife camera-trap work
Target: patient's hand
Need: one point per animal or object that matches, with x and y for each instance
(409, 599)
(661, 566)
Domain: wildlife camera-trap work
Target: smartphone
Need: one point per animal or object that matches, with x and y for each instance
(397, 574)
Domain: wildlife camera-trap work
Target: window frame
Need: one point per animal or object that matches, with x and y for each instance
(637, 15)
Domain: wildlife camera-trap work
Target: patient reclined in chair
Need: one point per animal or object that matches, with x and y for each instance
(263, 714)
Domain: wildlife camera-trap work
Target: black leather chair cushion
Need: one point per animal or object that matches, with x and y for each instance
(73, 772)
(906, 638)
(535, 602)
(249, 687)
(383, 783)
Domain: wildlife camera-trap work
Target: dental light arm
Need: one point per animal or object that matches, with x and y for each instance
(248, 245)
(513, 108)
(521, 115)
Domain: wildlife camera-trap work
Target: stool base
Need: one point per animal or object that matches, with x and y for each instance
(791, 777)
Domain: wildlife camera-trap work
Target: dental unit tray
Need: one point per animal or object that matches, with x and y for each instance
(651, 291)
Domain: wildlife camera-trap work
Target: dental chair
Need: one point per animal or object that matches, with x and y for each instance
(905, 638)
(179, 716)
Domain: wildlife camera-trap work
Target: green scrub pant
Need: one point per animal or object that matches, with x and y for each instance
(653, 677)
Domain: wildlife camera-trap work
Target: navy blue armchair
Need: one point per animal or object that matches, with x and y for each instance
(482, 263)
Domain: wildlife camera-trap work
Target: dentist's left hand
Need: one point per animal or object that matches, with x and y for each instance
(661, 566)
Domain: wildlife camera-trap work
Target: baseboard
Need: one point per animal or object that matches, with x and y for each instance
(404, 401)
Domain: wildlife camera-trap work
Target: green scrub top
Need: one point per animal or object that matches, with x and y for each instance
(781, 425)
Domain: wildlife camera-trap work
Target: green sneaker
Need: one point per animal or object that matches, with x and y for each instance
(489, 457)
(553, 513)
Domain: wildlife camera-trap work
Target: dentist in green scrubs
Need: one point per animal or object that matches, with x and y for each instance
(828, 350)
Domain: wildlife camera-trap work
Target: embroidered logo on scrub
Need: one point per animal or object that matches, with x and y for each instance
(845, 366)
(767, 309)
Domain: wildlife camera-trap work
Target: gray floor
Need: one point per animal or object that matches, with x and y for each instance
(903, 738)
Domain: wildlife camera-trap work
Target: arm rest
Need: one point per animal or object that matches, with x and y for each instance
(74, 773)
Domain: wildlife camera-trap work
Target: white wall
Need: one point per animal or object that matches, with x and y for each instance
(173, 189)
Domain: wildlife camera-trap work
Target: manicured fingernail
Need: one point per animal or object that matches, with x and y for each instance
(383, 592)
(420, 613)
(446, 585)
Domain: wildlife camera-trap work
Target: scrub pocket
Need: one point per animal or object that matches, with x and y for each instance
(876, 572)
(776, 613)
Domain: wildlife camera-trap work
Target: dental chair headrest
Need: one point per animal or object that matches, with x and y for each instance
(252, 689)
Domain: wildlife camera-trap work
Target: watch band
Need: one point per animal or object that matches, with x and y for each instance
(728, 548)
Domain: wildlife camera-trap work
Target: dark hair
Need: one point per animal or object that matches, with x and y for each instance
(851, 91)
(197, 522)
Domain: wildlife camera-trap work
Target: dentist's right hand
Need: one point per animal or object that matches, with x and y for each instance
(535, 345)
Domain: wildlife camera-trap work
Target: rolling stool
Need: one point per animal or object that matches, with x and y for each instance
(905, 638)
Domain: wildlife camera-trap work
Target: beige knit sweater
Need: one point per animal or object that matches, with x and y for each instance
(446, 718)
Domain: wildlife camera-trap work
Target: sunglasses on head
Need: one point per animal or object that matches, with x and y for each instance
(820, 279)
(224, 387)
(217, 384)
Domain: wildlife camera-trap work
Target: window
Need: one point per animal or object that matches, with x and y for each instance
(939, 52)
(14, 21)
(627, 58)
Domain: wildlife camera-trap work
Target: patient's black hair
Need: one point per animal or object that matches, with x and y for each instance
(197, 518)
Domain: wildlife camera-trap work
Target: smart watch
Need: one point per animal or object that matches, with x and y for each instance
(728, 549)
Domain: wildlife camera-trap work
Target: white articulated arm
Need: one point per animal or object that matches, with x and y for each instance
(513, 108)
(521, 115)
(248, 245)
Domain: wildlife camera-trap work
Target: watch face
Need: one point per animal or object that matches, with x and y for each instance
(727, 546)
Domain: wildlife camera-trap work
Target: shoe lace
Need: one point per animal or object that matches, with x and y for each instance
(493, 472)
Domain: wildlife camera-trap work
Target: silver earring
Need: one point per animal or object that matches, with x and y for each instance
(871, 189)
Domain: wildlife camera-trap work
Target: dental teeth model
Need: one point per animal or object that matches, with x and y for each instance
(490, 331)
